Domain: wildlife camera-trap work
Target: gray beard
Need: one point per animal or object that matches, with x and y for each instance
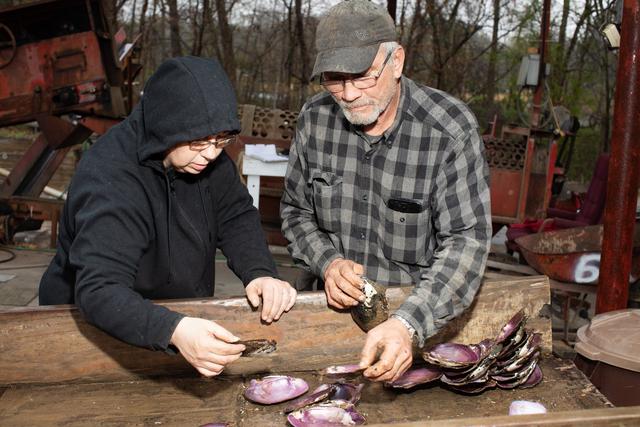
(363, 119)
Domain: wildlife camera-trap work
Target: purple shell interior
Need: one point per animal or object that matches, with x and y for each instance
(320, 393)
(416, 376)
(275, 389)
(453, 352)
(512, 325)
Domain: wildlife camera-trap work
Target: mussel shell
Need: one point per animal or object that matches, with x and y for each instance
(416, 376)
(321, 393)
(347, 391)
(258, 347)
(534, 379)
(451, 355)
(514, 379)
(475, 387)
(275, 389)
(326, 414)
(511, 326)
(374, 309)
(339, 370)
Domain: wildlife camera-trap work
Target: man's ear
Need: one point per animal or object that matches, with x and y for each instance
(398, 62)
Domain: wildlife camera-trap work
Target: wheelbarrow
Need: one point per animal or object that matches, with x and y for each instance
(573, 254)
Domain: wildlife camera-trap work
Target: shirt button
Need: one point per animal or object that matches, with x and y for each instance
(362, 236)
(402, 219)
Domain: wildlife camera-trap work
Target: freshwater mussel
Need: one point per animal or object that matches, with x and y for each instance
(275, 389)
(374, 309)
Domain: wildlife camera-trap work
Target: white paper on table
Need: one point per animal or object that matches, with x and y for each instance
(264, 152)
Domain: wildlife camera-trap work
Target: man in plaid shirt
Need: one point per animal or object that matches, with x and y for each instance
(386, 179)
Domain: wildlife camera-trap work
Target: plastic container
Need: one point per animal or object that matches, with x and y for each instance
(608, 352)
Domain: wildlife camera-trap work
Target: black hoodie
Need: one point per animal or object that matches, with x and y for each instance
(131, 231)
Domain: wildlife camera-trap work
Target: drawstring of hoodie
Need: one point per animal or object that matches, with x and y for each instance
(169, 176)
(204, 208)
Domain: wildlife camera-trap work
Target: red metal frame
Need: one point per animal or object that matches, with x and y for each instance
(622, 184)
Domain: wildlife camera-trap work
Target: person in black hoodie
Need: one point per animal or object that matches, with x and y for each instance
(147, 208)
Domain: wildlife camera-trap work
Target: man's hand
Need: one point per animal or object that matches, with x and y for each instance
(206, 345)
(277, 297)
(392, 341)
(342, 283)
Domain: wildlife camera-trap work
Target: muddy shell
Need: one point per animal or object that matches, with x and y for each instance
(374, 309)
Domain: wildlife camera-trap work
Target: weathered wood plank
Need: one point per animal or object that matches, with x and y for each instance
(612, 417)
(195, 401)
(54, 344)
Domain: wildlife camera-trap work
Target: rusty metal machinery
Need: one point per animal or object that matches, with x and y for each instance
(269, 124)
(62, 67)
(521, 164)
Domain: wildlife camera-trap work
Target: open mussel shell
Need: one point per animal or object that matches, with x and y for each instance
(321, 393)
(451, 355)
(342, 370)
(511, 326)
(275, 389)
(374, 309)
(347, 392)
(416, 376)
(326, 414)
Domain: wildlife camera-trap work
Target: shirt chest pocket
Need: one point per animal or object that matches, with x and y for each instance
(327, 199)
(405, 235)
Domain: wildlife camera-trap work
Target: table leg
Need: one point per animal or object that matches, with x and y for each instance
(253, 185)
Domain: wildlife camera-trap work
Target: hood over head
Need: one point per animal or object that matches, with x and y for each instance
(187, 98)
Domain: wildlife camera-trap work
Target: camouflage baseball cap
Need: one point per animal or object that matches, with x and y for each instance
(349, 36)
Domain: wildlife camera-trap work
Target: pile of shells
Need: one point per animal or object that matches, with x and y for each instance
(328, 405)
(508, 361)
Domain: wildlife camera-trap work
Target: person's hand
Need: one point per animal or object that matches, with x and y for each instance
(392, 341)
(277, 297)
(342, 283)
(206, 345)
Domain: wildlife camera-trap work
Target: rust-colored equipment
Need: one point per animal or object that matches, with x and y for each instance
(572, 255)
(61, 67)
(521, 163)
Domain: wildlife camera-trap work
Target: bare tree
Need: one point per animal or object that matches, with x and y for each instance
(174, 28)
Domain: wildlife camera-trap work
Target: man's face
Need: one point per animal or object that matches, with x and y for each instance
(193, 157)
(364, 106)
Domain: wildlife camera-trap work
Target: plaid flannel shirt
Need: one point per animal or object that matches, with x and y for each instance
(338, 187)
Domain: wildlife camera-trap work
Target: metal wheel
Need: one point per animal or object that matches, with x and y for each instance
(8, 46)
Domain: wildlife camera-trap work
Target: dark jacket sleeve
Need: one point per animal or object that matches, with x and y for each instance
(112, 231)
(240, 234)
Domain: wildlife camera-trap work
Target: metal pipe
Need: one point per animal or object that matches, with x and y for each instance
(538, 95)
(622, 183)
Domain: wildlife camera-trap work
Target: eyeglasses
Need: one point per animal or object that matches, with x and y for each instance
(364, 82)
(217, 142)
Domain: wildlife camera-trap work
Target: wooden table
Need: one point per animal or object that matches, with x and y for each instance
(57, 370)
